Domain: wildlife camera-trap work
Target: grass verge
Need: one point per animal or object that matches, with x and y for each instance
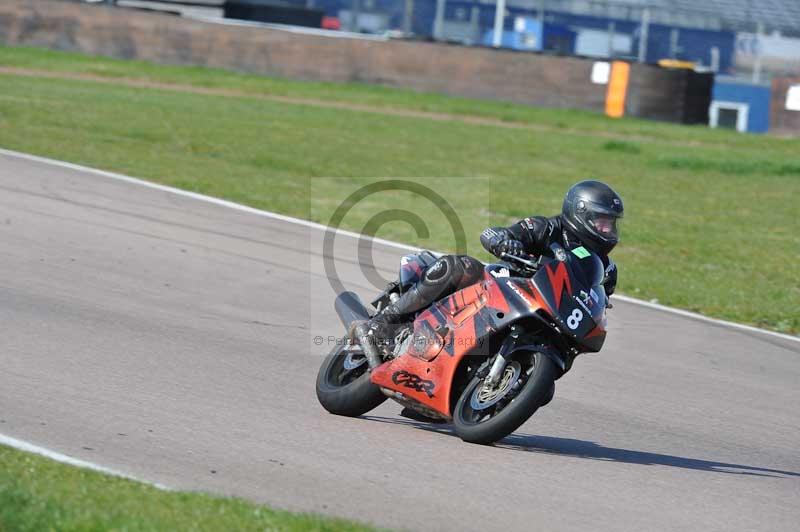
(39, 494)
(711, 225)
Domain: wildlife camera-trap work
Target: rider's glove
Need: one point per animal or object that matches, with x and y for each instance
(511, 247)
(498, 240)
(610, 280)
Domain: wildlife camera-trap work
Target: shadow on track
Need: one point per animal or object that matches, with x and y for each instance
(593, 451)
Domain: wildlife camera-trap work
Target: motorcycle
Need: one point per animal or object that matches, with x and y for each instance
(484, 358)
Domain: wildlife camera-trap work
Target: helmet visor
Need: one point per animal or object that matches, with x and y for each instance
(606, 226)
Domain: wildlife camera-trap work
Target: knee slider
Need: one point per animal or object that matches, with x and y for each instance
(446, 269)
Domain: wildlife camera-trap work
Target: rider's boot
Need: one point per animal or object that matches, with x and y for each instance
(382, 327)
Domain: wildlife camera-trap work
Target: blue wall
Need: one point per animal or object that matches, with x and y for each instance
(756, 96)
(693, 44)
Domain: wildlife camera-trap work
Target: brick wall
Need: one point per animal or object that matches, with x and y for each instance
(456, 70)
(782, 120)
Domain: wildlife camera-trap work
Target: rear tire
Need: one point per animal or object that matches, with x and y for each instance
(346, 392)
(535, 392)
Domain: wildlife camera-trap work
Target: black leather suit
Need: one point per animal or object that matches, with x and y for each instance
(536, 234)
(454, 272)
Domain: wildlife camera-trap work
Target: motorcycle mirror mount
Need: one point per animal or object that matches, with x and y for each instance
(558, 252)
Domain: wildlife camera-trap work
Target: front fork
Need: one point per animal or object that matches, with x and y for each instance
(512, 344)
(502, 357)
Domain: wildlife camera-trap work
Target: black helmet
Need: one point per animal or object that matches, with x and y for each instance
(591, 214)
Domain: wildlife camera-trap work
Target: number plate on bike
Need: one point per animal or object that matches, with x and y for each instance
(576, 317)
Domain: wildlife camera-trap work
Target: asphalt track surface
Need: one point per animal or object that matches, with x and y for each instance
(173, 340)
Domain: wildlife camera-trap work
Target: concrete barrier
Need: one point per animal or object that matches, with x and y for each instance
(520, 77)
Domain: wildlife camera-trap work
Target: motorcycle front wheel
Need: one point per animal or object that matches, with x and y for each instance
(485, 414)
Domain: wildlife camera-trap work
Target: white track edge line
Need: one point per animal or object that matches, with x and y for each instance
(63, 458)
(701, 317)
(200, 197)
(322, 227)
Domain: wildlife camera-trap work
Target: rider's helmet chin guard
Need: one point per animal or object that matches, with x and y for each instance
(592, 213)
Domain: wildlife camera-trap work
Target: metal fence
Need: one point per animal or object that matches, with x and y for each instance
(403, 15)
(637, 30)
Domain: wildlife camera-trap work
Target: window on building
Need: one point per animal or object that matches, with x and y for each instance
(728, 115)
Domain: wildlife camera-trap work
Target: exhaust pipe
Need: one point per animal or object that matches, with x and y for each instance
(349, 308)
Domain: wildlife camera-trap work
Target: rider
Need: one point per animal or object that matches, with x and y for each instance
(589, 217)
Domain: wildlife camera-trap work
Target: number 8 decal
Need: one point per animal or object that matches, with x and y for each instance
(575, 319)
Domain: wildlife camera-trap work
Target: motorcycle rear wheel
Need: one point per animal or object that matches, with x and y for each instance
(343, 385)
(480, 418)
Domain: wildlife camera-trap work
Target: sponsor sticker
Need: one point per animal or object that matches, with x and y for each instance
(502, 272)
(594, 295)
(581, 252)
(522, 296)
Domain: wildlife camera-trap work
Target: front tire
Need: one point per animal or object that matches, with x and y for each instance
(480, 418)
(343, 385)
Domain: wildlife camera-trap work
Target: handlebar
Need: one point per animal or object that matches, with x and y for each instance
(534, 265)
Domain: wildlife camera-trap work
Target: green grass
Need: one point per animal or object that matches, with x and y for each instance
(38, 494)
(711, 225)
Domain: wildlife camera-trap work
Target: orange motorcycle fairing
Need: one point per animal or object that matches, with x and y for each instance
(459, 325)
